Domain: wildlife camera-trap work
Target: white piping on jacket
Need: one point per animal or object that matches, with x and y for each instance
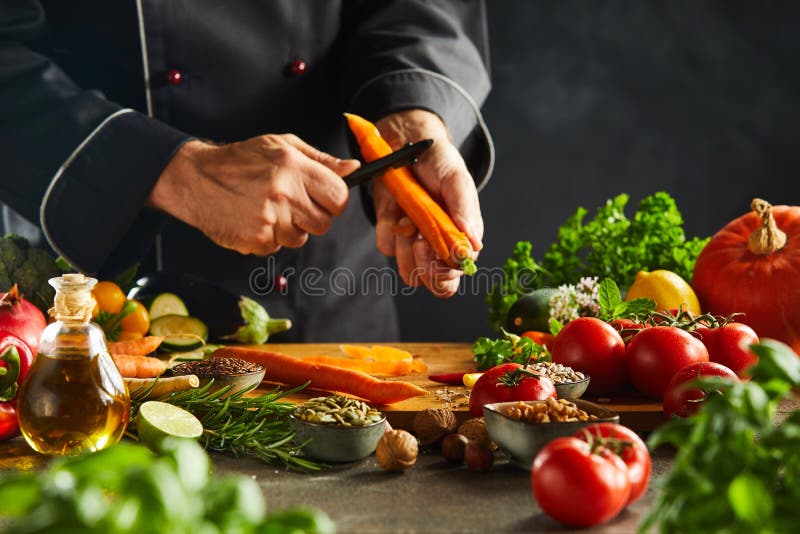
(60, 172)
(463, 92)
(149, 101)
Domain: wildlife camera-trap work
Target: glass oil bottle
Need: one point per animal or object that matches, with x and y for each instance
(73, 399)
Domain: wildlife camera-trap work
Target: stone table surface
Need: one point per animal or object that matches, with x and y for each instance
(432, 496)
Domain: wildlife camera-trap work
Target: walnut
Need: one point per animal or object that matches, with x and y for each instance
(433, 424)
(475, 430)
(397, 450)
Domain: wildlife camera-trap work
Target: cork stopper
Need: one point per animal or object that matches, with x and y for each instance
(73, 301)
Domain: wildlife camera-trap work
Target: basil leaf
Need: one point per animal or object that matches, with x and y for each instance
(750, 499)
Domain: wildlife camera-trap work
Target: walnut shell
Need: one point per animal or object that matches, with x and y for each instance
(433, 424)
(475, 430)
(397, 450)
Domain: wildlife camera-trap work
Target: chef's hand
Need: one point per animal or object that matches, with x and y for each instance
(254, 196)
(442, 171)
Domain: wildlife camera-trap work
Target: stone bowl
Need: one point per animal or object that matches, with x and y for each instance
(572, 390)
(334, 443)
(521, 441)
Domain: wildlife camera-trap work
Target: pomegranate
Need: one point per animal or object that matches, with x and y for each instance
(21, 318)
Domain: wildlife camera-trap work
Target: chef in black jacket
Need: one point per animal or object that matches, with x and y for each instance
(155, 130)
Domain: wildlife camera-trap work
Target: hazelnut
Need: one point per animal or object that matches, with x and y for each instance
(433, 424)
(397, 450)
(453, 447)
(475, 430)
(479, 459)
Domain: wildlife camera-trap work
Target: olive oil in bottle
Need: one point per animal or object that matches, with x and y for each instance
(73, 399)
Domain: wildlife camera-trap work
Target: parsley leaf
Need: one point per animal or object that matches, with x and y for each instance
(609, 245)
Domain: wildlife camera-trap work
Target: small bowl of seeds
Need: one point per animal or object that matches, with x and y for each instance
(522, 428)
(570, 384)
(235, 373)
(337, 428)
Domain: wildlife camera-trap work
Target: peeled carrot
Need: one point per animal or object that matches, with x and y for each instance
(449, 243)
(294, 372)
(136, 366)
(377, 368)
(136, 347)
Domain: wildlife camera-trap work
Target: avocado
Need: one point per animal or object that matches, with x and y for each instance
(531, 311)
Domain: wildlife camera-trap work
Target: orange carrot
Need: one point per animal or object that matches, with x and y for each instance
(294, 372)
(136, 347)
(137, 366)
(372, 367)
(449, 243)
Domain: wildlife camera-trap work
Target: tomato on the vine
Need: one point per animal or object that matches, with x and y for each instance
(593, 347)
(579, 484)
(138, 321)
(630, 448)
(509, 382)
(729, 345)
(108, 296)
(683, 400)
(657, 353)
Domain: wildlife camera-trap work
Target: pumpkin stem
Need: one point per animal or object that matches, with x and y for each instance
(768, 238)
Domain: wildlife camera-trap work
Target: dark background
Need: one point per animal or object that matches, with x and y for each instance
(591, 99)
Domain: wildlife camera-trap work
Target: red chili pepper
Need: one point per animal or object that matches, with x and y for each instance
(15, 359)
(451, 379)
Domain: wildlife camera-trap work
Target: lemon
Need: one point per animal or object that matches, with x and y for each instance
(668, 289)
(159, 420)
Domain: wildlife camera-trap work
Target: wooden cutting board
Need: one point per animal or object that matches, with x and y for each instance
(635, 411)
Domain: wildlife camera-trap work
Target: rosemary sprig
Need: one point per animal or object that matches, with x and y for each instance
(240, 425)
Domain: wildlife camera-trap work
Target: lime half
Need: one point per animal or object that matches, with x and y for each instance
(159, 420)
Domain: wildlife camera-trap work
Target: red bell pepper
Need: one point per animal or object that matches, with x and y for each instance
(15, 360)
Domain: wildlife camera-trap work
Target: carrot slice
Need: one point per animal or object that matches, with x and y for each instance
(294, 372)
(448, 242)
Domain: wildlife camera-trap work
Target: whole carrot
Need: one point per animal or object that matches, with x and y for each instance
(449, 243)
(136, 347)
(135, 366)
(294, 372)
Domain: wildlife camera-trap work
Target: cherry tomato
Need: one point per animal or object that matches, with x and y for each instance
(655, 354)
(109, 296)
(593, 347)
(138, 321)
(630, 448)
(729, 345)
(577, 485)
(499, 384)
(129, 336)
(540, 338)
(684, 401)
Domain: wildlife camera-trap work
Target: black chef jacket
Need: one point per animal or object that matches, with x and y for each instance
(96, 96)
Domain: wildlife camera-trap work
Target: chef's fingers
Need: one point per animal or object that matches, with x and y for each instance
(404, 254)
(322, 174)
(440, 279)
(387, 213)
(311, 218)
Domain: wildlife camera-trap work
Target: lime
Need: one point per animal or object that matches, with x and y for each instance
(669, 290)
(158, 420)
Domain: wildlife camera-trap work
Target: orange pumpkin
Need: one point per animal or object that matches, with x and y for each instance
(752, 266)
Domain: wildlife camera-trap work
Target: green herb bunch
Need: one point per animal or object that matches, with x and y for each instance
(128, 489)
(607, 246)
(239, 425)
(737, 470)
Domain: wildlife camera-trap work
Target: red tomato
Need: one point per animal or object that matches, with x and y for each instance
(577, 486)
(655, 354)
(494, 386)
(729, 345)
(629, 446)
(627, 328)
(593, 347)
(684, 401)
(8, 420)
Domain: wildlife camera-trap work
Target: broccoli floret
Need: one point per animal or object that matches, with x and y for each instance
(30, 268)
